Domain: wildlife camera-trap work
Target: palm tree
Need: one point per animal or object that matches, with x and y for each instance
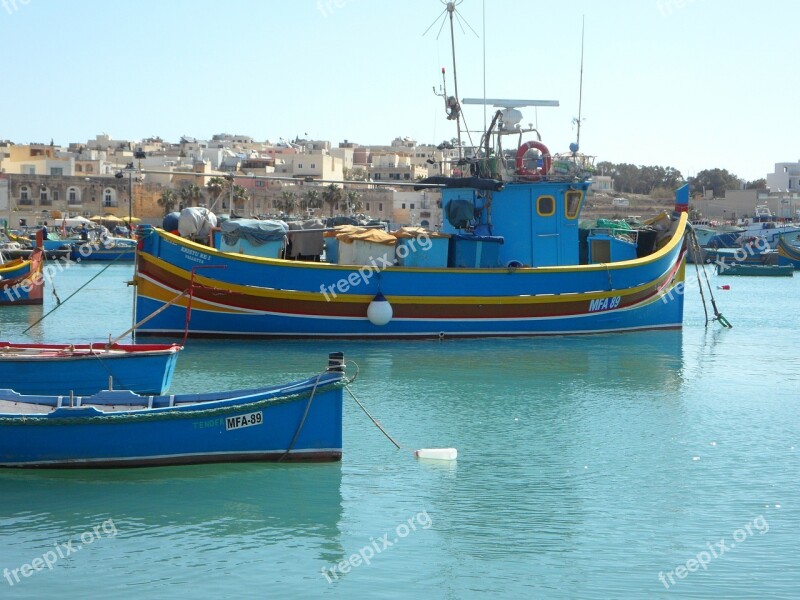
(312, 199)
(353, 203)
(332, 196)
(215, 186)
(288, 201)
(239, 196)
(167, 201)
(190, 194)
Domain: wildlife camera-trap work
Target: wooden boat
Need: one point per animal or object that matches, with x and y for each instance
(788, 254)
(82, 369)
(21, 280)
(296, 421)
(756, 270)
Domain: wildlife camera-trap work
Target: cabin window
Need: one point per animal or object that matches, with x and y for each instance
(545, 206)
(573, 204)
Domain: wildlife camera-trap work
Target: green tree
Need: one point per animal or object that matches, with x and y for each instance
(353, 202)
(717, 180)
(332, 196)
(240, 198)
(312, 199)
(167, 201)
(758, 184)
(288, 201)
(190, 195)
(215, 187)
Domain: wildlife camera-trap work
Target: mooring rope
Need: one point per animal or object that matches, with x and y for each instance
(59, 305)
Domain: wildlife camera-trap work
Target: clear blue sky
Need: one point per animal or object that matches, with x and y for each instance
(692, 84)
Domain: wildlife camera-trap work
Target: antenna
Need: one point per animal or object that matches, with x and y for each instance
(451, 103)
(577, 121)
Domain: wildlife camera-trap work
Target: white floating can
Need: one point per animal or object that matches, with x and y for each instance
(437, 453)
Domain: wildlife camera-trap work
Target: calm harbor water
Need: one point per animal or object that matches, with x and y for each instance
(588, 467)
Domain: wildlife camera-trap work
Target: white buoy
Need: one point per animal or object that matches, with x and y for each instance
(379, 311)
(437, 453)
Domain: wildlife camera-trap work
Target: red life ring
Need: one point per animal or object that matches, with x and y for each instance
(539, 172)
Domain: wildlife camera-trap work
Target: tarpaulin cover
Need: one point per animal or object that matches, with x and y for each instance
(415, 232)
(196, 222)
(254, 231)
(374, 236)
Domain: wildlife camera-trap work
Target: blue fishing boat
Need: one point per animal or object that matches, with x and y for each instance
(510, 259)
(83, 369)
(104, 249)
(21, 280)
(297, 421)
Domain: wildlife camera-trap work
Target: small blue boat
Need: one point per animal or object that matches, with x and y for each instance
(111, 248)
(297, 421)
(83, 369)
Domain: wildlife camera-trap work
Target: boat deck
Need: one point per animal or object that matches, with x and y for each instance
(8, 407)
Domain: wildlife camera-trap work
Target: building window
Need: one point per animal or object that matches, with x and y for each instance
(259, 183)
(72, 196)
(407, 176)
(299, 165)
(79, 168)
(108, 197)
(89, 169)
(55, 195)
(412, 206)
(56, 171)
(403, 206)
(367, 205)
(380, 206)
(43, 196)
(313, 165)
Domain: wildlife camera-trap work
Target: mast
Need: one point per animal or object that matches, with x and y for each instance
(451, 9)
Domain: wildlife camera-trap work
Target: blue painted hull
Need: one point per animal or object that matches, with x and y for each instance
(63, 369)
(112, 249)
(296, 421)
(249, 296)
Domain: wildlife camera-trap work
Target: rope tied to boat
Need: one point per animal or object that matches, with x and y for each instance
(433, 453)
(697, 252)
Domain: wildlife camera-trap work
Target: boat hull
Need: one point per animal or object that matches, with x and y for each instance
(788, 254)
(21, 280)
(235, 295)
(252, 425)
(82, 369)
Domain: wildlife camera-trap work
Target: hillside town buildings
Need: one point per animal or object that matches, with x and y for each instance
(227, 173)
